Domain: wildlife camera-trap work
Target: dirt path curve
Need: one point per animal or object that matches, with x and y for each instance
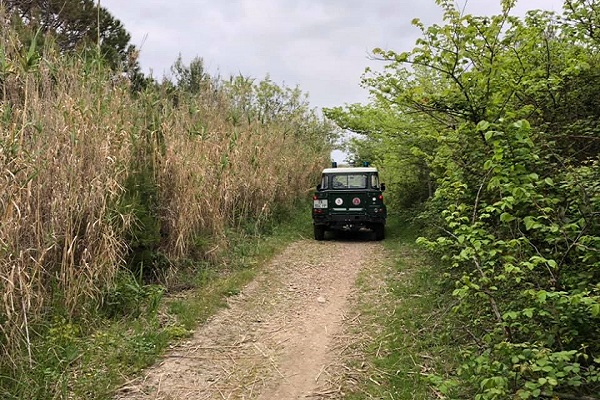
(276, 340)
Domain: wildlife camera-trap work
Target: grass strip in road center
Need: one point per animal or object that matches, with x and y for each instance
(404, 347)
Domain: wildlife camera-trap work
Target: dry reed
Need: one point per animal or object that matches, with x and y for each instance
(69, 131)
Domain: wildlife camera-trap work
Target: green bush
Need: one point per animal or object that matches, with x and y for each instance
(521, 253)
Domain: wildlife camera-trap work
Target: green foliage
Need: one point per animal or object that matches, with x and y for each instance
(266, 102)
(507, 128)
(191, 78)
(140, 200)
(390, 142)
(128, 297)
(523, 253)
(74, 25)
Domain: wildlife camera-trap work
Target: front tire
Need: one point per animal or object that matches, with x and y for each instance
(319, 232)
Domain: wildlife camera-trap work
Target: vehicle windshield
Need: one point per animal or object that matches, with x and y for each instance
(349, 181)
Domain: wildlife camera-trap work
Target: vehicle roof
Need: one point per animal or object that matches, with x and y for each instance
(348, 170)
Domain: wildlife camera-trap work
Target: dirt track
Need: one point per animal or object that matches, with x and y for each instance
(280, 338)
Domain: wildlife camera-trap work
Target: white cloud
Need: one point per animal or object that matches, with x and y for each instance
(322, 46)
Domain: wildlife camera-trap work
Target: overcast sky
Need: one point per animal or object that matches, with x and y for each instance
(322, 46)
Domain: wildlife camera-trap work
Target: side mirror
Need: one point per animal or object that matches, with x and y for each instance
(318, 187)
(383, 187)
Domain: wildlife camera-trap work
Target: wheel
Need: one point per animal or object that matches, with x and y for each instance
(319, 232)
(379, 230)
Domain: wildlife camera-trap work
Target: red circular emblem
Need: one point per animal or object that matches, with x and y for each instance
(356, 201)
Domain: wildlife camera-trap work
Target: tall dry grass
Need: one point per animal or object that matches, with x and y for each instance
(71, 132)
(224, 174)
(62, 160)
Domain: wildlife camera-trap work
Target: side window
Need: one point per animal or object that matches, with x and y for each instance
(375, 181)
(325, 182)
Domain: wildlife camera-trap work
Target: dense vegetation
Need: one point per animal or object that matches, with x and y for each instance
(74, 25)
(107, 185)
(491, 125)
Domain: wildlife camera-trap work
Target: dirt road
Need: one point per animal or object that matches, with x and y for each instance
(279, 339)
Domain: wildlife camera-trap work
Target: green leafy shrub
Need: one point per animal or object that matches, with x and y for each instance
(129, 297)
(507, 138)
(523, 254)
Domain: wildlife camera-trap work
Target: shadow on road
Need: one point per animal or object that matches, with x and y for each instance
(343, 236)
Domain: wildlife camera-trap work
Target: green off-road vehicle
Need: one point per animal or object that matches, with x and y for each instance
(349, 199)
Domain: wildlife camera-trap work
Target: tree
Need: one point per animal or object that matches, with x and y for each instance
(74, 24)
